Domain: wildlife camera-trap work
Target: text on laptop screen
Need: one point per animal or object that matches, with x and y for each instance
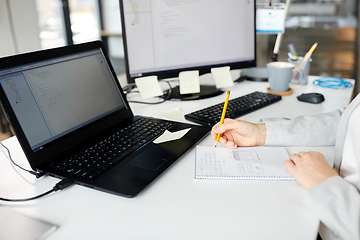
(56, 96)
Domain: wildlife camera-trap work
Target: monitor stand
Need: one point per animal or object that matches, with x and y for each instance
(257, 74)
(206, 91)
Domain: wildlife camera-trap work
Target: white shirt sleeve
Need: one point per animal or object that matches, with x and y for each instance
(336, 203)
(316, 130)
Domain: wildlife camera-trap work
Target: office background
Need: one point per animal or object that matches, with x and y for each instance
(28, 25)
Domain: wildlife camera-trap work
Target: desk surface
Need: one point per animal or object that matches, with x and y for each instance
(175, 206)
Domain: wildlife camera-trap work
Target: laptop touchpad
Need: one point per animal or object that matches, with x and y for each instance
(152, 158)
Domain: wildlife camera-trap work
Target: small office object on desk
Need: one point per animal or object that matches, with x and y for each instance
(306, 58)
(333, 83)
(177, 206)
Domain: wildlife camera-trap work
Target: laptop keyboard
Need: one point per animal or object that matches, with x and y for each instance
(236, 107)
(102, 156)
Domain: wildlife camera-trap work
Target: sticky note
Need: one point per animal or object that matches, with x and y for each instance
(189, 82)
(173, 114)
(148, 86)
(222, 77)
(171, 136)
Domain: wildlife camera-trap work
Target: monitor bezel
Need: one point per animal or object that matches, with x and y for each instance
(173, 73)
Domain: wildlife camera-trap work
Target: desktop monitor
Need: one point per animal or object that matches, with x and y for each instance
(166, 37)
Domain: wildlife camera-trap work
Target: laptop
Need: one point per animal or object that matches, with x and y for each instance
(73, 121)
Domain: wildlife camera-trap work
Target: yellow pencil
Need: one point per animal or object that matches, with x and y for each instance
(223, 115)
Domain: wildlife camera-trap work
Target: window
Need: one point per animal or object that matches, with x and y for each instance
(84, 20)
(68, 22)
(52, 29)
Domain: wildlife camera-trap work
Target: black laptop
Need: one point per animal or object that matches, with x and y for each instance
(73, 121)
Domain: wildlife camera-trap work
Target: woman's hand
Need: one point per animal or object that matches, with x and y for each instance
(238, 133)
(309, 168)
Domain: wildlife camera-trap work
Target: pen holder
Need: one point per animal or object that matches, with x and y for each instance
(301, 79)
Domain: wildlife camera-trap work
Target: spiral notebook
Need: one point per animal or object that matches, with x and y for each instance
(265, 164)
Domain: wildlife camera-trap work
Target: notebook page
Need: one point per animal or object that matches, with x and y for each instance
(254, 163)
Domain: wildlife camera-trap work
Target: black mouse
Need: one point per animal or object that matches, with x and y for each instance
(311, 97)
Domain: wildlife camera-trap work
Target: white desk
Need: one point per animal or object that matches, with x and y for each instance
(175, 206)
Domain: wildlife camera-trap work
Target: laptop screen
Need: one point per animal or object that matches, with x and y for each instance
(57, 96)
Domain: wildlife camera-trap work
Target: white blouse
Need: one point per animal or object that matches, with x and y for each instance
(349, 168)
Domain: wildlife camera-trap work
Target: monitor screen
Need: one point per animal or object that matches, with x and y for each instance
(165, 37)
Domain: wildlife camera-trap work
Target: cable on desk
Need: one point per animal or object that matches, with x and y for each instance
(37, 174)
(59, 186)
(165, 98)
(128, 88)
(332, 82)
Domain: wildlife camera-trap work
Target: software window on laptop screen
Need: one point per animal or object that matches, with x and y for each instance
(49, 97)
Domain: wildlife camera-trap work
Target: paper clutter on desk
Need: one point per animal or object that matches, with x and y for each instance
(222, 77)
(148, 86)
(173, 114)
(171, 136)
(189, 82)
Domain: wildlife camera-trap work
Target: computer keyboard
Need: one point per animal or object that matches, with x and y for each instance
(236, 107)
(105, 154)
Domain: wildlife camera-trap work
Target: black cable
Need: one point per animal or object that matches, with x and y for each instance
(59, 186)
(164, 100)
(127, 89)
(37, 174)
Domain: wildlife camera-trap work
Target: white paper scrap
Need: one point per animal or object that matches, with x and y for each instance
(173, 114)
(170, 136)
(222, 77)
(189, 82)
(148, 86)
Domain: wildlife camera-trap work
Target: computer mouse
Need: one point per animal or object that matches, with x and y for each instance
(311, 97)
